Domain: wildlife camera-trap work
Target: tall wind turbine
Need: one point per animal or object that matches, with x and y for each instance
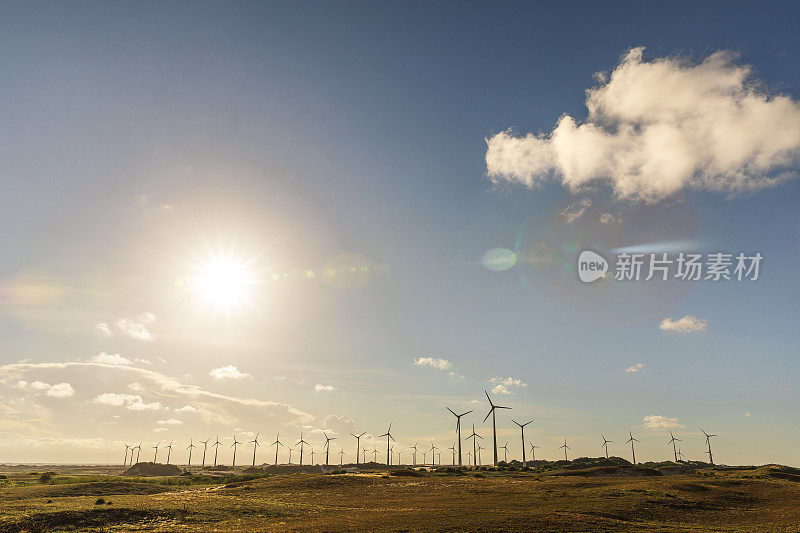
(672, 441)
(155, 455)
(205, 445)
(605, 444)
(632, 440)
(277, 445)
(533, 451)
(255, 444)
(453, 449)
(169, 451)
(235, 444)
(504, 447)
(358, 442)
(327, 446)
(216, 446)
(190, 448)
(708, 443)
(492, 409)
(474, 436)
(389, 438)
(565, 449)
(125, 461)
(522, 428)
(458, 430)
(301, 442)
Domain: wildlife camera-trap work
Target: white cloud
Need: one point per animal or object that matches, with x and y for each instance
(130, 401)
(160, 430)
(608, 218)
(319, 387)
(110, 359)
(634, 369)
(575, 210)
(170, 422)
(186, 409)
(227, 372)
(137, 327)
(279, 378)
(506, 385)
(687, 324)
(660, 422)
(103, 329)
(136, 386)
(657, 127)
(433, 362)
(59, 390)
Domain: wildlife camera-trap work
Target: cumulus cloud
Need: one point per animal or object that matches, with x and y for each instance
(133, 402)
(506, 385)
(657, 127)
(186, 409)
(687, 324)
(660, 422)
(170, 422)
(227, 372)
(103, 329)
(319, 387)
(111, 359)
(433, 362)
(634, 369)
(59, 390)
(575, 210)
(137, 328)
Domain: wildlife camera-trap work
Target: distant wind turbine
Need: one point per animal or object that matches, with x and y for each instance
(474, 436)
(301, 442)
(479, 454)
(414, 455)
(605, 444)
(169, 451)
(255, 444)
(190, 447)
(374, 454)
(565, 449)
(341, 456)
(155, 455)
(522, 428)
(277, 445)
(504, 447)
(364, 454)
(453, 449)
(235, 444)
(680, 455)
(327, 446)
(290, 453)
(708, 443)
(216, 446)
(138, 450)
(205, 445)
(389, 438)
(125, 461)
(673, 439)
(433, 453)
(358, 442)
(312, 456)
(632, 440)
(533, 451)
(458, 430)
(492, 410)
(469, 457)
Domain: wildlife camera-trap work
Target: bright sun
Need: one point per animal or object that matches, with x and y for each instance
(224, 282)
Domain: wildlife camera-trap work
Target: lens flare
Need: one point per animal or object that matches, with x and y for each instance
(223, 281)
(499, 259)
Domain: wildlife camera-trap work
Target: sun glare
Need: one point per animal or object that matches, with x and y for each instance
(224, 282)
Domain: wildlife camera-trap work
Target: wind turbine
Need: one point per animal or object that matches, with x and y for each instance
(234, 445)
(169, 451)
(290, 453)
(138, 450)
(391, 452)
(341, 456)
(565, 449)
(504, 447)
(533, 451)
(358, 442)
(155, 455)
(494, 426)
(479, 454)
(414, 447)
(190, 448)
(277, 445)
(216, 446)
(327, 446)
(364, 454)
(469, 457)
(453, 449)
(205, 445)
(605, 444)
(632, 440)
(474, 438)
(433, 453)
(680, 455)
(708, 443)
(458, 430)
(672, 441)
(522, 428)
(312, 456)
(255, 444)
(374, 454)
(301, 442)
(424, 457)
(389, 438)
(125, 461)
(399, 462)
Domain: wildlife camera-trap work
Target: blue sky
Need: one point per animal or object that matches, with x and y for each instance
(139, 140)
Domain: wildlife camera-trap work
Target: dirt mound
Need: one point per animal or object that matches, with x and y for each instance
(152, 469)
(408, 472)
(610, 471)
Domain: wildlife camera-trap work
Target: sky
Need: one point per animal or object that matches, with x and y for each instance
(263, 218)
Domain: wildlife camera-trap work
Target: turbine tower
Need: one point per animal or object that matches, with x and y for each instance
(327, 446)
(138, 451)
(479, 454)
(235, 444)
(433, 453)
(341, 456)
(290, 453)
(492, 409)
(301, 442)
(125, 461)
(605, 444)
(358, 442)
(389, 438)
(169, 451)
(680, 455)
(216, 446)
(504, 447)
(277, 445)
(474, 438)
(458, 430)
(414, 455)
(312, 456)
(533, 451)
(708, 443)
(155, 455)
(565, 449)
(205, 445)
(522, 428)
(453, 449)
(190, 448)
(672, 441)
(632, 440)
(255, 444)
(469, 457)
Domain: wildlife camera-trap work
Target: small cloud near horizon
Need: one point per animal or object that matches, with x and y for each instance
(228, 372)
(634, 369)
(687, 324)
